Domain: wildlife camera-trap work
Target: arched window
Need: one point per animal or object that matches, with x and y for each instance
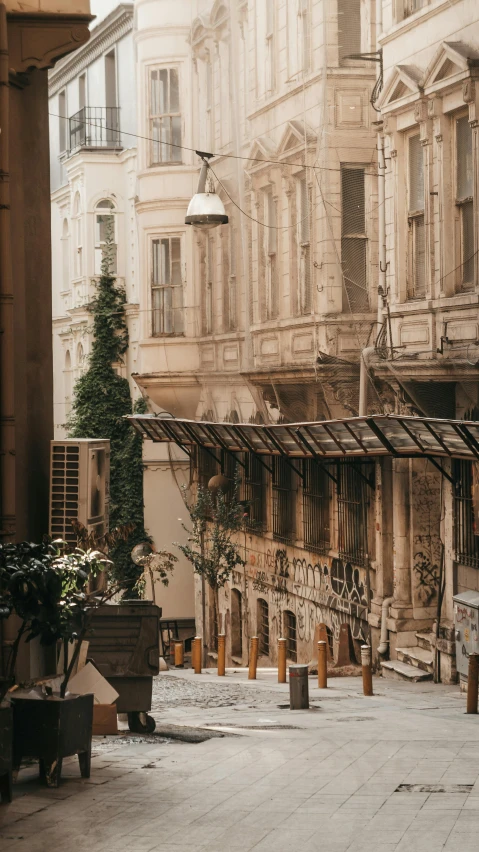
(78, 236)
(65, 255)
(105, 236)
(67, 383)
(262, 626)
(236, 624)
(289, 630)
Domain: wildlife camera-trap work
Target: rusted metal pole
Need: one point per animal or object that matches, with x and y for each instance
(179, 655)
(472, 683)
(253, 658)
(281, 660)
(7, 360)
(367, 670)
(196, 651)
(322, 664)
(221, 654)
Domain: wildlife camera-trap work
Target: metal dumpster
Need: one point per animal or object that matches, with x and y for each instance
(125, 647)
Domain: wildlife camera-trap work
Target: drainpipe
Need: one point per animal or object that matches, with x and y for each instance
(384, 645)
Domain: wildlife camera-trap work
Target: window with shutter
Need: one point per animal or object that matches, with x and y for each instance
(416, 282)
(167, 287)
(354, 240)
(165, 116)
(465, 202)
(349, 29)
(305, 272)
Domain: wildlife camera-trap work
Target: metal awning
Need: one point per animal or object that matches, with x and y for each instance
(377, 435)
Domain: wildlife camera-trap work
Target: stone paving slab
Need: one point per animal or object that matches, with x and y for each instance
(277, 780)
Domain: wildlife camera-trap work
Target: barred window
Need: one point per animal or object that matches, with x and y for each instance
(254, 493)
(315, 507)
(416, 278)
(304, 238)
(262, 626)
(354, 494)
(207, 466)
(289, 627)
(354, 241)
(165, 116)
(466, 543)
(464, 201)
(167, 287)
(283, 500)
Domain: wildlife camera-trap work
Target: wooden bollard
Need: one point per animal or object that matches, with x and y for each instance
(472, 683)
(322, 664)
(253, 658)
(221, 654)
(196, 654)
(179, 654)
(367, 670)
(281, 660)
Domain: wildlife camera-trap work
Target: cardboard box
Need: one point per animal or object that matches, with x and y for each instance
(105, 720)
(90, 680)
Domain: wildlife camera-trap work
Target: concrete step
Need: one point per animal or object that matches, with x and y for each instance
(424, 640)
(418, 657)
(396, 670)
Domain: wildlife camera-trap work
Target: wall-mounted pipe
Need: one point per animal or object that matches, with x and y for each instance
(384, 643)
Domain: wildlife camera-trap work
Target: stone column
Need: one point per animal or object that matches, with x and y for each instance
(401, 534)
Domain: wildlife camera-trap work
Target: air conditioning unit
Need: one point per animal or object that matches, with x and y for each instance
(79, 486)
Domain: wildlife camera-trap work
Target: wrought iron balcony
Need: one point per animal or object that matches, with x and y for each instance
(95, 128)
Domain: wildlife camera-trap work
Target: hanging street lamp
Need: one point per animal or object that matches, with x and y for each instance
(206, 209)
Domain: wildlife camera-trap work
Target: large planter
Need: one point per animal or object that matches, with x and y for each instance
(50, 730)
(6, 726)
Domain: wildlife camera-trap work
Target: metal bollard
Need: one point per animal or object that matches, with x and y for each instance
(253, 658)
(322, 664)
(196, 654)
(367, 671)
(281, 660)
(179, 655)
(472, 683)
(221, 654)
(298, 687)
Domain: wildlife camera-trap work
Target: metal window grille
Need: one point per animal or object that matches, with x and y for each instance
(416, 284)
(353, 493)
(95, 127)
(466, 543)
(464, 200)
(262, 622)
(236, 623)
(165, 116)
(349, 28)
(305, 274)
(283, 500)
(207, 466)
(354, 239)
(315, 507)
(289, 623)
(254, 492)
(167, 287)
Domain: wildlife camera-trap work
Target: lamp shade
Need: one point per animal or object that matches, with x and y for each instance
(206, 211)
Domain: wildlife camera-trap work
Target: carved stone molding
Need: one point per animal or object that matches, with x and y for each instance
(38, 41)
(468, 91)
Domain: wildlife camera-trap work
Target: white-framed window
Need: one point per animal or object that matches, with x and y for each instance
(105, 236)
(166, 286)
(304, 246)
(304, 34)
(65, 255)
(209, 283)
(67, 383)
(270, 46)
(228, 248)
(349, 29)
(354, 241)
(82, 91)
(464, 192)
(412, 6)
(233, 296)
(165, 116)
(209, 102)
(78, 237)
(62, 121)
(270, 300)
(416, 267)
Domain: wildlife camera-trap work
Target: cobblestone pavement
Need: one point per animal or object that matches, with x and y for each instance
(398, 772)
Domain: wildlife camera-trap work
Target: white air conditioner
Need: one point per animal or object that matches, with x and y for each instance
(79, 486)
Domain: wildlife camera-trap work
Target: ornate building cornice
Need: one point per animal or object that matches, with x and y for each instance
(102, 37)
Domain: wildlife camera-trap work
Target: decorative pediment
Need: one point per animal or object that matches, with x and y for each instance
(451, 59)
(402, 83)
(219, 14)
(296, 134)
(200, 29)
(262, 149)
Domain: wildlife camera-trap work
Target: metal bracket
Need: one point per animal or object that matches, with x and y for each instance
(442, 471)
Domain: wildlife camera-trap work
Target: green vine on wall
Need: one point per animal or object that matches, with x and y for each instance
(101, 399)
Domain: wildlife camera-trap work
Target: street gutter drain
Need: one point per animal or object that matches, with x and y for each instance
(434, 788)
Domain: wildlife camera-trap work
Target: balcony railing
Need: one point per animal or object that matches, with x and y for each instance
(95, 127)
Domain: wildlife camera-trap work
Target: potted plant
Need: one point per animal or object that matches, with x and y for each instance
(48, 590)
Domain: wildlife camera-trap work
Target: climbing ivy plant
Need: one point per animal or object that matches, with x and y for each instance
(101, 399)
